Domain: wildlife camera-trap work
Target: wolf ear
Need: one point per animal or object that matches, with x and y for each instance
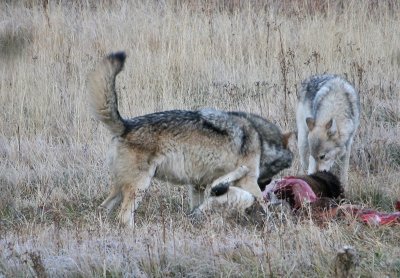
(331, 127)
(310, 123)
(286, 138)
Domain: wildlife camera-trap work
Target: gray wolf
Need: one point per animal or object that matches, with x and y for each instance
(325, 187)
(198, 148)
(327, 118)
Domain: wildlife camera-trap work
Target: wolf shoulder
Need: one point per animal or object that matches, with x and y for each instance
(316, 87)
(323, 93)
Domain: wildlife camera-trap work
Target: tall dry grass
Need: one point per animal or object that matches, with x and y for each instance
(234, 55)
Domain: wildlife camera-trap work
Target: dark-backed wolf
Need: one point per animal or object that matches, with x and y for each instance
(199, 148)
(327, 118)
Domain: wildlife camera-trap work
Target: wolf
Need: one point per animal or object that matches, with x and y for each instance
(198, 148)
(327, 118)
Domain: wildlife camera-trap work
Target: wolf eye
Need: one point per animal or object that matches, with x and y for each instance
(322, 157)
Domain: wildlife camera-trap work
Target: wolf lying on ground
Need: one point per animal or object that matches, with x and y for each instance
(199, 148)
(327, 118)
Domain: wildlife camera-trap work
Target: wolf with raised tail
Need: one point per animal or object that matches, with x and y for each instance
(199, 148)
(327, 119)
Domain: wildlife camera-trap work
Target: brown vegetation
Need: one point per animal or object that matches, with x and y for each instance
(234, 55)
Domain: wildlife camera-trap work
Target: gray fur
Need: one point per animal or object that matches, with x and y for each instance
(327, 118)
(201, 148)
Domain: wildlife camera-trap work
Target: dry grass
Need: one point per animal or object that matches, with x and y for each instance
(224, 54)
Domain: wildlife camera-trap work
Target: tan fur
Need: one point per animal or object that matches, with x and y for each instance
(200, 148)
(102, 97)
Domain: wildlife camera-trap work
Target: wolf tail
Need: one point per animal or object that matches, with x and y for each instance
(102, 95)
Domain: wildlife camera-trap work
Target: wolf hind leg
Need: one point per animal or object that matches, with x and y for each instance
(196, 196)
(114, 198)
(132, 194)
(132, 174)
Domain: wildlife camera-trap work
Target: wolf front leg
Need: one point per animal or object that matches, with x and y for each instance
(229, 198)
(222, 183)
(312, 165)
(233, 176)
(302, 145)
(249, 181)
(344, 165)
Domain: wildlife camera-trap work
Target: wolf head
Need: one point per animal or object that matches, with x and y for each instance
(324, 144)
(274, 159)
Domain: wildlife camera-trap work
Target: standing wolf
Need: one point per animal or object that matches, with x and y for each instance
(202, 148)
(327, 118)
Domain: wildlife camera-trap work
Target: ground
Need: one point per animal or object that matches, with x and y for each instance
(233, 55)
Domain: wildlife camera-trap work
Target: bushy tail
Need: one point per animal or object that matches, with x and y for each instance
(102, 96)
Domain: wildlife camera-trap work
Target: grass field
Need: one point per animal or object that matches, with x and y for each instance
(234, 55)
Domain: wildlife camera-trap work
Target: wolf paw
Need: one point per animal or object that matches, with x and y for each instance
(219, 189)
